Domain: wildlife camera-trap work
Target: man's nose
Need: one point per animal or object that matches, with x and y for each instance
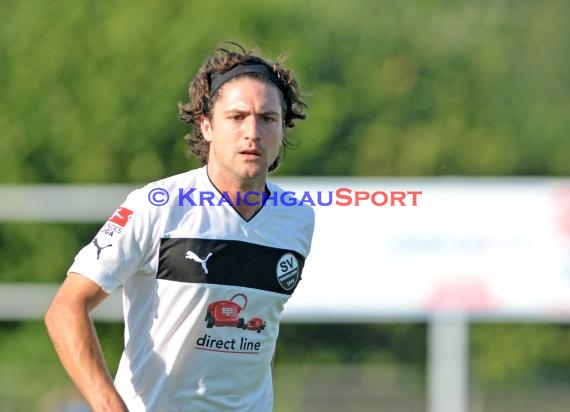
(252, 128)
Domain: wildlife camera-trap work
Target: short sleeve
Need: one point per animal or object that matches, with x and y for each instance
(121, 246)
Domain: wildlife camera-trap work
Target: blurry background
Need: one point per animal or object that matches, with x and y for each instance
(89, 94)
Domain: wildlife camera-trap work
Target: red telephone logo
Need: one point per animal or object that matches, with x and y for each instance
(226, 313)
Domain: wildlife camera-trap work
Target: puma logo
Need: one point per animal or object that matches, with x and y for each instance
(195, 258)
(99, 248)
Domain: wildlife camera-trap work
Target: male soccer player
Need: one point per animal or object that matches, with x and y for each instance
(204, 282)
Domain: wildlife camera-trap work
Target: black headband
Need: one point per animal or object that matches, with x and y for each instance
(218, 79)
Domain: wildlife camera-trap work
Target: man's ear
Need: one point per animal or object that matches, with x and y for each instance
(206, 128)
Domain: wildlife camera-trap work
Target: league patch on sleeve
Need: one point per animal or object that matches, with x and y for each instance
(111, 229)
(116, 222)
(121, 216)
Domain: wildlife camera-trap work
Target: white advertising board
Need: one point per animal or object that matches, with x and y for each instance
(487, 247)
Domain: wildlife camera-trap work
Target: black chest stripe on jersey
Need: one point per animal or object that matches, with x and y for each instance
(228, 262)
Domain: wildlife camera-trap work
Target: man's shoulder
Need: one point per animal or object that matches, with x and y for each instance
(180, 180)
(162, 192)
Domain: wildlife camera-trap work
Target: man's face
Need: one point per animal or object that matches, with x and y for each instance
(244, 131)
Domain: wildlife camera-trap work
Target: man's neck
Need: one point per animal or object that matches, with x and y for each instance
(245, 196)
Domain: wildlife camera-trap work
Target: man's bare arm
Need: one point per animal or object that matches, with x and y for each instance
(73, 335)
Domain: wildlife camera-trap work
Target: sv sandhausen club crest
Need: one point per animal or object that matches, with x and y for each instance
(288, 271)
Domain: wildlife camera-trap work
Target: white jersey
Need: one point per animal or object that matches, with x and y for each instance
(203, 292)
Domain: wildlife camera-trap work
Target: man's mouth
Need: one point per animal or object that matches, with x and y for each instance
(250, 153)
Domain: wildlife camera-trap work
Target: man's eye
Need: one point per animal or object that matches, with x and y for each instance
(268, 119)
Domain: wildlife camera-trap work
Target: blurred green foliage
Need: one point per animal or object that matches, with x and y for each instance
(89, 89)
(90, 92)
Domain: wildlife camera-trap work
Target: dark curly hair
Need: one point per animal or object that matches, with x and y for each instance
(201, 104)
